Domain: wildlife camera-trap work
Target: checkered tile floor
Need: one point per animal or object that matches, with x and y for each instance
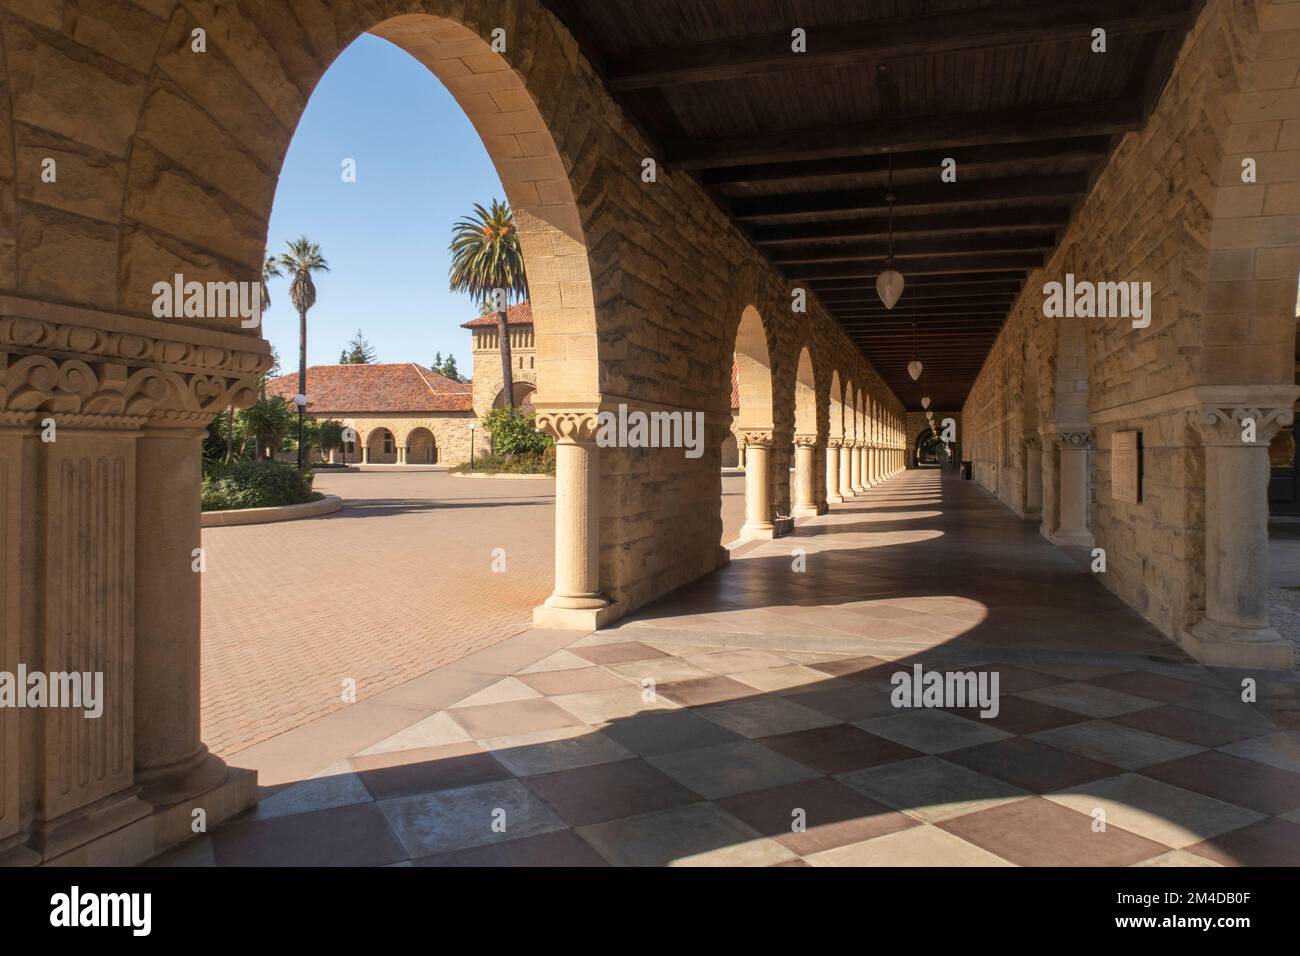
(748, 721)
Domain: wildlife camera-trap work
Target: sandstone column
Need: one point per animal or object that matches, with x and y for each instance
(1235, 631)
(855, 469)
(1033, 475)
(833, 471)
(171, 761)
(846, 469)
(1073, 448)
(758, 488)
(576, 600)
(805, 490)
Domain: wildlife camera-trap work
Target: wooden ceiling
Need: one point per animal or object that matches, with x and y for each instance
(799, 149)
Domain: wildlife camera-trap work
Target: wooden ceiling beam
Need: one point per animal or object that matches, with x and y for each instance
(928, 195)
(919, 267)
(905, 133)
(877, 250)
(932, 224)
(888, 40)
(968, 158)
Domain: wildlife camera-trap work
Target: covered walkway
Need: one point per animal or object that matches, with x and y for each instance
(1063, 236)
(747, 720)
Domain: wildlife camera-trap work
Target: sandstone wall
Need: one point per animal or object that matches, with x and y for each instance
(1169, 208)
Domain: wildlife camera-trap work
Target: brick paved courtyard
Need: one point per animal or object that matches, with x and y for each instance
(772, 697)
(397, 583)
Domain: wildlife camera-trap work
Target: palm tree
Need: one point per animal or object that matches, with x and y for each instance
(485, 256)
(302, 259)
(270, 270)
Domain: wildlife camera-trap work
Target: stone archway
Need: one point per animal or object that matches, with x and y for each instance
(420, 448)
(805, 438)
(380, 447)
(835, 441)
(755, 422)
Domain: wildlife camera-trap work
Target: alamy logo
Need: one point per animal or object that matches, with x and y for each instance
(179, 299)
(74, 690)
(1087, 300)
(74, 908)
(651, 430)
(922, 688)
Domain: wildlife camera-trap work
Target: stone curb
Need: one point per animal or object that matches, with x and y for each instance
(309, 509)
(496, 474)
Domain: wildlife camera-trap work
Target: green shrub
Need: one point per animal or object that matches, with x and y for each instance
(255, 484)
(513, 433)
(528, 463)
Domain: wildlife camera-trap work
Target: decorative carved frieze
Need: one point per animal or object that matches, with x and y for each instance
(112, 395)
(1239, 426)
(23, 334)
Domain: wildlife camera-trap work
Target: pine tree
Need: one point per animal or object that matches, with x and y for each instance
(358, 352)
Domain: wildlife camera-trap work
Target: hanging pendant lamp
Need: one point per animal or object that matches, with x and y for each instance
(925, 402)
(914, 367)
(889, 284)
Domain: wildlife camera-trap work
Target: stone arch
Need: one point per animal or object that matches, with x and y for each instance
(1031, 442)
(381, 447)
(835, 408)
(421, 447)
(805, 395)
(754, 368)
(756, 425)
(523, 391)
(206, 147)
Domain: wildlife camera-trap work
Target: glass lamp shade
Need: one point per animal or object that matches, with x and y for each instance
(925, 402)
(300, 399)
(889, 286)
(914, 369)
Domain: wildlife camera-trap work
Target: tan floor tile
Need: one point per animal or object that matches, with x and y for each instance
(698, 835)
(601, 706)
(917, 846)
(436, 730)
(506, 689)
(789, 677)
(1167, 814)
(548, 751)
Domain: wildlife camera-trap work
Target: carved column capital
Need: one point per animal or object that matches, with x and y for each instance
(1233, 426)
(805, 441)
(578, 425)
(835, 443)
(1033, 440)
(756, 438)
(1075, 439)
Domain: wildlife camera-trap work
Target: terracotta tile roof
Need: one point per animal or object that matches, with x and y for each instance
(520, 313)
(338, 389)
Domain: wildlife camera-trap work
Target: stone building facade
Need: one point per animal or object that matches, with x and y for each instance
(486, 351)
(401, 413)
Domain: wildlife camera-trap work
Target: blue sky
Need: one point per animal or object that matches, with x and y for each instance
(420, 166)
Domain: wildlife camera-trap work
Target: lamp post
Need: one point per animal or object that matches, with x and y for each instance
(301, 401)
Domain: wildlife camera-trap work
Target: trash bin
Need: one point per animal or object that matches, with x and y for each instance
(966, 470)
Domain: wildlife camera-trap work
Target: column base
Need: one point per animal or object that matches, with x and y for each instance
(560, 618)
(805, 511)
(1071, 539)
(834, 499)
(764, 531)
(1224, 645)
(178, 781)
